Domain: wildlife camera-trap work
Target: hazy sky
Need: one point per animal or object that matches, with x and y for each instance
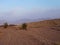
(18, 9)
(6, 5)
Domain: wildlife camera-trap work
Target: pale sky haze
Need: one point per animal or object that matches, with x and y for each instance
(11, 10)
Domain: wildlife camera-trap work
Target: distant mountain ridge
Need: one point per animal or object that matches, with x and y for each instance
(25, 20)
(29, 17)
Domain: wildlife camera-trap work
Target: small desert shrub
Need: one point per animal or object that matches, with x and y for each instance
(5, 25)
(24, 26)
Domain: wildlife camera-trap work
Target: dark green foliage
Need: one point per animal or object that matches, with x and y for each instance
(24, 26)
(5, 25)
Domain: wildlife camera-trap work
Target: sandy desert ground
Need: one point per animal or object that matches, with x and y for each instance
(38, 33)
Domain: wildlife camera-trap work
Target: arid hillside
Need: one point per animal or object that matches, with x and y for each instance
(38, 33)
(54, 22)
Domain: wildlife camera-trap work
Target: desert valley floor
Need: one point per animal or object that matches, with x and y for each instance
(44, 35)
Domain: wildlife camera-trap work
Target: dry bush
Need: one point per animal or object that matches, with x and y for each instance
(24, 26)
(5, 25)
